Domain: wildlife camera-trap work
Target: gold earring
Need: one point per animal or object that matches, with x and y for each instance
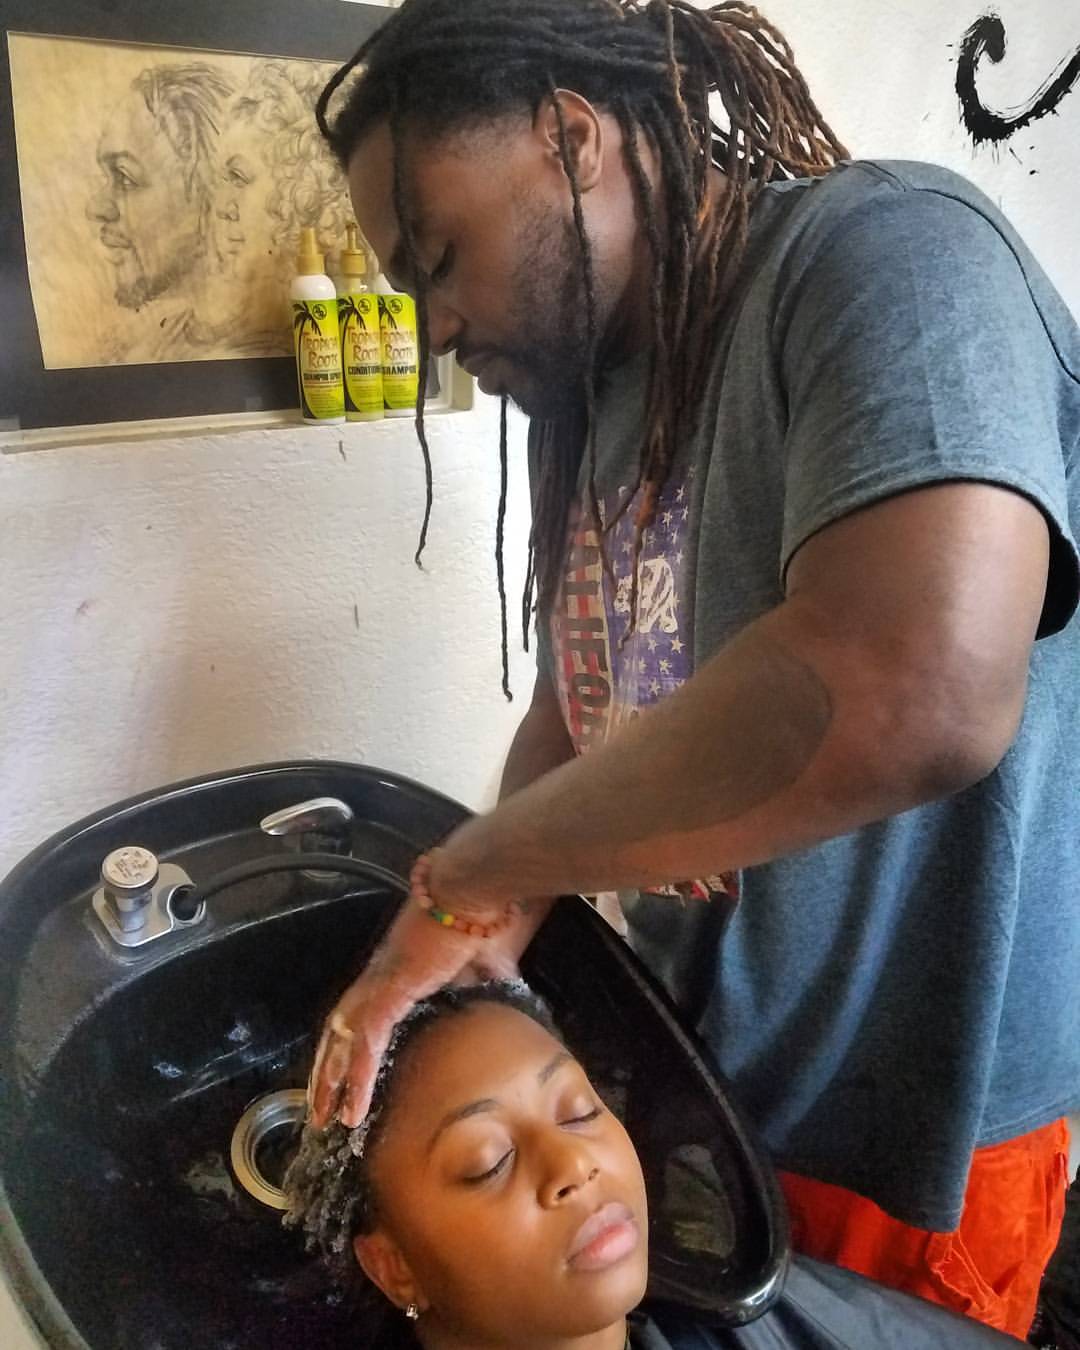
(412, 1312)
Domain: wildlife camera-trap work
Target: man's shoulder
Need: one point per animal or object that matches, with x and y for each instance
(857, 180)
(867, 191)
(868, 221)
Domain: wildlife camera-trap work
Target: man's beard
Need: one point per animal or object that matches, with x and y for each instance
(147, 286)
(548, 303)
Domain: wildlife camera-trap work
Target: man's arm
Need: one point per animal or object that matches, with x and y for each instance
(541, 742)
(417, 956)
(894, 673)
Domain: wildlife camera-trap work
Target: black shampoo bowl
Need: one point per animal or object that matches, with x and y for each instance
(124, 1072)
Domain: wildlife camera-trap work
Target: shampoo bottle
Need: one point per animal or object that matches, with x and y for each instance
(315, 335)
(400, 350)
(361, 342)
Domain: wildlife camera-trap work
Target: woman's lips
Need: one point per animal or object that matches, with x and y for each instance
(605, 1238)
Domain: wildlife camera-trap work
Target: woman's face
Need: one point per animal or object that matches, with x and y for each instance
(510, 1200)
(238, 200)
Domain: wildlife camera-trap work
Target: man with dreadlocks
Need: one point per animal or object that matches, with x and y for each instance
(805, 506)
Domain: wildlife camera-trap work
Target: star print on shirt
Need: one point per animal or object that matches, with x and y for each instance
(610, 671)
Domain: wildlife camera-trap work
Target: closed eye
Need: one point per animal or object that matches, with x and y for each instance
(584, 1120)
(442, 268)
(492, 1172)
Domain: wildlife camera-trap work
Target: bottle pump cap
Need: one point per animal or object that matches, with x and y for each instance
(353, 257)
(309, 261)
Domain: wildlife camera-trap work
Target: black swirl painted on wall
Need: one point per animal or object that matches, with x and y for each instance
(986, 37)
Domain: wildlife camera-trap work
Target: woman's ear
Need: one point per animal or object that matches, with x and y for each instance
(584, 134)
(382, 1261)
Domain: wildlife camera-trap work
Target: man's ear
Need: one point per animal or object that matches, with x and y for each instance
(382, 1261)
(179, 127)
(584, 134)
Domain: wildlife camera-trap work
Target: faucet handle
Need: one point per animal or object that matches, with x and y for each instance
(324, 815)
(320, 825)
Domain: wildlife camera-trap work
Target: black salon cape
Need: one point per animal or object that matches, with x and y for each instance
(824, 1308)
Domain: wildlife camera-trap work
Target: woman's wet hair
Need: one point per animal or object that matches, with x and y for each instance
(329, 1187)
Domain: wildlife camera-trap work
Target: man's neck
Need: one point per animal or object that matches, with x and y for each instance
(630, 328)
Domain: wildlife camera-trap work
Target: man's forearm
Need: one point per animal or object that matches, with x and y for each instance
(779, 742)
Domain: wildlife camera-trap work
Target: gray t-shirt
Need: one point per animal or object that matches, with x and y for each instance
(890, 1000)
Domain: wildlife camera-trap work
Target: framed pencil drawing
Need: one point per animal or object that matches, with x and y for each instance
(156, 165)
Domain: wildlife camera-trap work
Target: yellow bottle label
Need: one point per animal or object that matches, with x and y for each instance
(318, 358)
(400, 351)
(361, 353)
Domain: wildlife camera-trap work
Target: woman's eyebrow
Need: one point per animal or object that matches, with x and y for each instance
(484, 1104)
(553, 1067)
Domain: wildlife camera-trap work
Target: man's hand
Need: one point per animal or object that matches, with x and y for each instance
(416, 957)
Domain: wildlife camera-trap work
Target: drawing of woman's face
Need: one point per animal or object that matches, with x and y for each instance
(238, 213)
(150, 209)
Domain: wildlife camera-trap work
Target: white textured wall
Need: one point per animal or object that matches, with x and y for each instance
(179, 606)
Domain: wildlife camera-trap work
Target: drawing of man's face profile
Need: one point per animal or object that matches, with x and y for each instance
(156, 152)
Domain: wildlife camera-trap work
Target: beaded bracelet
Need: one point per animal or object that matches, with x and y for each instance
(420, 891)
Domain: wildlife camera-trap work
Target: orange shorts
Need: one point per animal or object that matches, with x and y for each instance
(989, 1269)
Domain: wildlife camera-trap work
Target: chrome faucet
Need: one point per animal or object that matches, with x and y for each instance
(140, 899)
(320, 825)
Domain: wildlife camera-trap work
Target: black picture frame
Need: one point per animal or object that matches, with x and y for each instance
(33, 397)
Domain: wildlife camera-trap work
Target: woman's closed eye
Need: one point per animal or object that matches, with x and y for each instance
(582, 1117)
(579, 1116)
(491, 1173)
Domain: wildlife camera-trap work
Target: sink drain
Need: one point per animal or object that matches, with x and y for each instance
(264, 1142)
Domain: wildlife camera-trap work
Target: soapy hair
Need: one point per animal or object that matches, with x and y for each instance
(328, 1186)
(701, 87)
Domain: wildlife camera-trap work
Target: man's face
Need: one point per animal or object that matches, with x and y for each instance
(150, 225)
(494, 233)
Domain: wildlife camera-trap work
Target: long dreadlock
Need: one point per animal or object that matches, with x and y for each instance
(441, 64)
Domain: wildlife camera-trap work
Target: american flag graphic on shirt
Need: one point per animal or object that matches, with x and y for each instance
(605, 677)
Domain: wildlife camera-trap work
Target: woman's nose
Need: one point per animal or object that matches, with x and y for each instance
(570, 1167)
